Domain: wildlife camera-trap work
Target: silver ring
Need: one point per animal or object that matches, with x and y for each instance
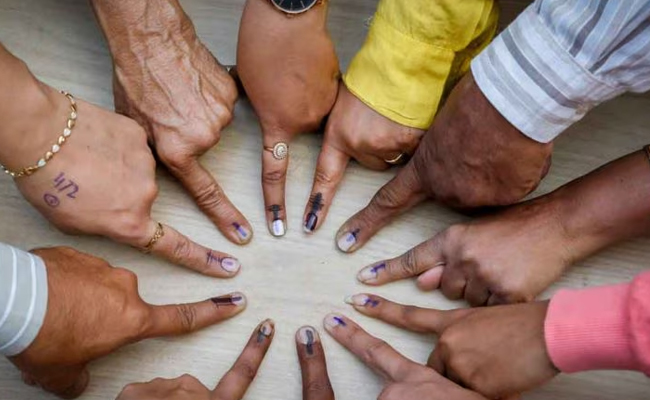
(397, 160)
(280, 151)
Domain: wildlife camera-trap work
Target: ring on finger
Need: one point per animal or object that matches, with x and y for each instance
(280, 150)
(397, 160)
(158, 234)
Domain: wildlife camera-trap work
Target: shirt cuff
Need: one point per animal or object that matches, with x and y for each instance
(534, 82)
(589, 330)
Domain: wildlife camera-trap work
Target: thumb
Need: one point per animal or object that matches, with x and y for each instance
(180, 319)
(400, 194)
(67, 383)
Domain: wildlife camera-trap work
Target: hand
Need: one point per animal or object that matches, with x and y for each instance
(315, 380)
(169, 82)
(290, 72)
(496, 351)
(233, 385)
(510, 257)
(471, 157)
(354, 130)
(405, 378)
(102, 182)
(93, 309)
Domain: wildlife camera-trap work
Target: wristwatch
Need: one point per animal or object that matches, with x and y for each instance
(295, 6)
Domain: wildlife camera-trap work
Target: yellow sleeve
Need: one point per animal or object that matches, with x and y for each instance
(415, 52)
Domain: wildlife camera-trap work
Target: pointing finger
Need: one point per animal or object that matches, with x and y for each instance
(181, 319)
(180, 250)
(212, 200)
(425, 256)
(412, 318)
(400, 194)
(329, 173)
(375, 353)
(275, 162)
(315, 380)
(235, 383)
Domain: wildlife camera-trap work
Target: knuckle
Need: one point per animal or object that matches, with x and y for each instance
(186, 317)
(386, 198)
(129, 391)
(274, 177)
(210, 195)
(187, 381)
(246, 369)
(318, 386)
(323, 178)
(408, 263)
(406, 314)
(125, 276)
(182, 249)
(372, 352)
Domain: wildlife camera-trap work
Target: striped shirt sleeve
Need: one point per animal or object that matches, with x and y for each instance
(559, 59)
(23, 299)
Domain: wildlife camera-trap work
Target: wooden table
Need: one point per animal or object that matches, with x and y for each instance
(298, 279)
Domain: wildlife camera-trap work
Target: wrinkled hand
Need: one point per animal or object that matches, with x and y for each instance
(470, 157)
(290, 72)
(103, 183)
(170, 83)
(405, 378)
(510, 257)
(93, 309)
(497, 351)
(233, 385)
(354, 130)
(315, 379)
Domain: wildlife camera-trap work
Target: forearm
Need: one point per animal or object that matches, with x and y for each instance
(23, 299)
(609, 205)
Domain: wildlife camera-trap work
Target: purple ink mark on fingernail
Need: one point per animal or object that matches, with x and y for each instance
(310, 342)
(370, 302)
(339, 321)
(242, 232)
(51, 200)
(227, 300)
(375, 270)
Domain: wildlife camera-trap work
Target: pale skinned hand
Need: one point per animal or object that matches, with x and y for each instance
(354, 130)
(102, 182)
(290, 72)
(471, 157)
(404, 378)
(233, 385)
(510, 257)
(496, 351)
(169, 82)
(94, 309)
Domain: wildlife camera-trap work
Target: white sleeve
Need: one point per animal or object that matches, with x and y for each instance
(23, 299)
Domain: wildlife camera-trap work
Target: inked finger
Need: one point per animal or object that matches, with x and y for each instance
(415, 319)
(375, 353)
(400, 194)
(315, 379)
(235, 383)
(423, 257)
(180, 250)
(212, 200)
(274, 177)
(181, 319)
(329, 173)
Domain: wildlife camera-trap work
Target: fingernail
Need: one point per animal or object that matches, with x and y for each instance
(308, 336)
(243, 233)
(230, 264)
(361, 300)
(232, 299)
(347, 240)
(277, 228)
(310, 222)
(333, 321)
(265, 331)
(371, 273)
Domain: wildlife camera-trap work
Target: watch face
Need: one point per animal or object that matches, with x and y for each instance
(294, 6)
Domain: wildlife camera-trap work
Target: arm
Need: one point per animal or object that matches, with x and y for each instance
(559, 59)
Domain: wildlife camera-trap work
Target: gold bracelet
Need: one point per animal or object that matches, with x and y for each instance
(67, 131)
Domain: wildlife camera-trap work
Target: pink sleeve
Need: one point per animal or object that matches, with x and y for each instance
(605, 327)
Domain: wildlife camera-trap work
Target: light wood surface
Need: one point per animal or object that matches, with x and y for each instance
(298, 279)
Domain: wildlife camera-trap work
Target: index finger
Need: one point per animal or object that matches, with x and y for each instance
(235, 383)
(400, 194)
(329, 172)
(423, 257)
(315, 380)
(375, 353)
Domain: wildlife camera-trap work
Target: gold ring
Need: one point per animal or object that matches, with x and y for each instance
(160, 232)
(280, 151)
(396, 160)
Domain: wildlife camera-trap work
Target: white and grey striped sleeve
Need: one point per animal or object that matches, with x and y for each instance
(559, 59)
(23, 299)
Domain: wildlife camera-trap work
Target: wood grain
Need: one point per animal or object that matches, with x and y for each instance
(295, 280)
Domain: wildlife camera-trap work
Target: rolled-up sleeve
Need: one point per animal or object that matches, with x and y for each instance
(560, 59)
